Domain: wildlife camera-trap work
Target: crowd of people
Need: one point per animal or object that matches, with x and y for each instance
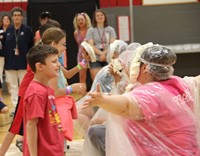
(136, 106)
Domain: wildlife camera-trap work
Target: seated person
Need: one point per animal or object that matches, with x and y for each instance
(95, 140)
(158, 117)
(102, 77)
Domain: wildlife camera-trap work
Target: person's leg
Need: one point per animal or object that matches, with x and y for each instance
(1, 68)
(0, 91)
(13, 80)
(93, 72)
(7, 81)
(20, 74)
(66, 147)
(97, 134)
(0, 94)
(16, 126)
(3, 108)
(6, 143)
(19, 143)
(83, 76)
(94, 68)
(82, 124)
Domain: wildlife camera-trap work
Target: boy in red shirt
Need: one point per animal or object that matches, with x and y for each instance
(42, 127)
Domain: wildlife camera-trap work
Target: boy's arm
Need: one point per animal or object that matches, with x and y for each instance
(32, 136)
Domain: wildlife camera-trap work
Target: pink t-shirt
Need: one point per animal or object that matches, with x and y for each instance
(39, 103)
(66, 107)
(166, 107)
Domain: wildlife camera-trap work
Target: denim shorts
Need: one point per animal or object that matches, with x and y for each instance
(97, 64)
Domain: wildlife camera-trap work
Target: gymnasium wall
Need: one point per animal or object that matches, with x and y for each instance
(177, 25)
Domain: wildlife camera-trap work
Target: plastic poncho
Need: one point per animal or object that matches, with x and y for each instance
(102, 115)
(85, 115)
(169, 126)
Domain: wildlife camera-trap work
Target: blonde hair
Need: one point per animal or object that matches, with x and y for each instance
(87, 20)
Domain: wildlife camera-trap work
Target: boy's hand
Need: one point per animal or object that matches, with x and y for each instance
(79, 88)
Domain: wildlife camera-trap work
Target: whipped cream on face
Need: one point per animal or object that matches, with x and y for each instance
(135, 64)
(117, 67)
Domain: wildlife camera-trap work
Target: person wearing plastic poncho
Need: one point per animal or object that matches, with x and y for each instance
(106, 80)
(159, 117)
(94, 143)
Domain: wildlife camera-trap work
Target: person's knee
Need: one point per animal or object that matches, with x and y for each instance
(83, 120)
(92, 132)
(4, 110)
(96, 135)
(96, 132)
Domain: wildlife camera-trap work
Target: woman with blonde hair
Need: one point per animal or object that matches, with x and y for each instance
(81, 25)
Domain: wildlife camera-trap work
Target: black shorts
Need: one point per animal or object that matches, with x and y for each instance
(16, 126)
(97, 64)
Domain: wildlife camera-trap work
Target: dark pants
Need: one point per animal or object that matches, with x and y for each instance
(97, 134)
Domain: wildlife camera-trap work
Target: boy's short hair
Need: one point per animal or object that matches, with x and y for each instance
(16, 9)
(39, 53)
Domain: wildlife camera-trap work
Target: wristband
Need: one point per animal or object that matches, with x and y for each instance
(79, 66)
(82, 63)
(68, 90)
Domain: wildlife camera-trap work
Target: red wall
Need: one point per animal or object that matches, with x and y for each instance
(118, 3)
(7, 6)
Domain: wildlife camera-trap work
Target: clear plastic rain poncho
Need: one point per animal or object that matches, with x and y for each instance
(168, 124)
(125, 59)
(116, 48)
(85, 115)
(105, 80)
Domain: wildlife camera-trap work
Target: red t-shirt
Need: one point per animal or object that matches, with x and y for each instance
(26, 81)
(39, 103)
